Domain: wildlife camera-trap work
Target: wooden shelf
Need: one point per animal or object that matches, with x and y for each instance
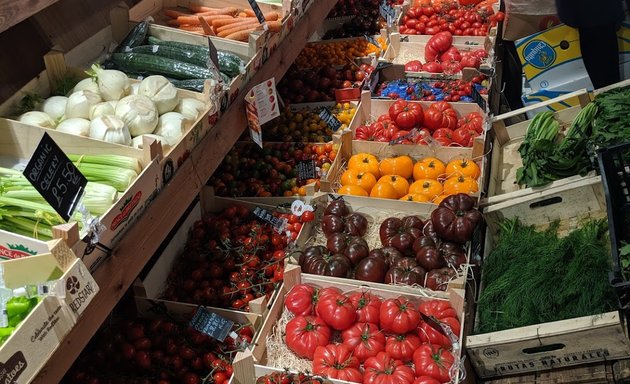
(135, 249)
(12, 12)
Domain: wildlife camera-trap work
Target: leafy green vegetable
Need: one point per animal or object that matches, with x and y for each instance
(533, 277)
(611, 124)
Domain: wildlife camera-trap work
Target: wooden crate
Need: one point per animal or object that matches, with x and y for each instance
(148, 288)
(96, 49)
(56, 69)
(610, 372)
(505, 159)
(258, 41)
(37, 337)
(248, 366)
(17, 144)
(405, 48)
(373, 208)
(560, 343)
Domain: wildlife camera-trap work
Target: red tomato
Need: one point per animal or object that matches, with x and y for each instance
(300, 300)
(470, 61)
(464, 137)
(428, 334)
(406, 114)
(438, 309)
(426, 380)
(305, 333)
(367, 306)
(307, 216)
(413, 66)
(365, 339)
(383, 369)
(372, 132)
(433, 361)
(337, 362)
(398, 316)
(472, 121)
(440, 42)
(440, 115)
(451, 54)
(432, 67)
(401, 347)
(337, 311)
(443, 133)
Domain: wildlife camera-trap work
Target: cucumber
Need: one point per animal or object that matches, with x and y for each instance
(175, 53)
(136, 37)
(229, 63)
(191, 84)
(141, 63)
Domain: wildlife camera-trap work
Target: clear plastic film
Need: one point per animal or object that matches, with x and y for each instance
(530, 7)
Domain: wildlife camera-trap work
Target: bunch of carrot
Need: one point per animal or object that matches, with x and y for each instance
(228, 22)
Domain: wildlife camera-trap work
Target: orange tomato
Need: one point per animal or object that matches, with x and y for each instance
(427, 187)
(460, 184)
(428, 168)
(463, 167)
(319, 149)
(384, 191)
(364, 162)
(352, 190)
(400, 165)
(401, 185)
(415, 197)
(361, 179)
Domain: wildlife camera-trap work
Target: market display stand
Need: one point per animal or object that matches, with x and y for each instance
(118, 272)
(12, 12)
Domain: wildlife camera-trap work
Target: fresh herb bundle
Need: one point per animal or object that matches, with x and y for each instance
(533, 277)
(611, 124)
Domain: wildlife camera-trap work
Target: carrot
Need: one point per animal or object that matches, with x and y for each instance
(173, 22)
(242, 14)
(240, 35)
(200, 8)
(274, 26)
(194, 20)
(249, 12)
(272, 16)
(223, 22)
(175, 14)
(236, 26)
(219, 11)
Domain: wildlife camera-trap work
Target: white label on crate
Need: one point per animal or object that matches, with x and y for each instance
(551, 361)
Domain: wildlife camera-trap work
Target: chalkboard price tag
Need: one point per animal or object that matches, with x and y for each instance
(330, 119)
(213, 53)
(257, 11)
(55, 177)
(211, 324)
(306, 169)
(264, 215)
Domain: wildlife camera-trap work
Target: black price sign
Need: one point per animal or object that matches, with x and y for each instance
(257, 11)
(214, 54)
(478, 98)
(306, 169)
(55, 177)
(211, 324)
(277, 223)
(330, 119)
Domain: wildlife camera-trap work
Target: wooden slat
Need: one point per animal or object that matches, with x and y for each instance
(119, 271)
(12, 12)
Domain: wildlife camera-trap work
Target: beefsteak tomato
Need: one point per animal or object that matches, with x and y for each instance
(402, 347)
(440, 115)
(367, 306)
(405, 271)
(337, 362)
(413, 66)
(432, 361)
(399, 316)
(406, 114)
(301, 300)
(365, 339)
(337, 311)
(384, 369)
(438, 43)
(472, 121)
(305, 333)
(401, 233)
(371, 132)
(456, 218)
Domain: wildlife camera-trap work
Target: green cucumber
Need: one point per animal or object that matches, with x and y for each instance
(136, 37)
(143, 63)
(191, 84)
(175, 53)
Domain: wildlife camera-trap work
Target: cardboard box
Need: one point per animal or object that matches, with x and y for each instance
(40, 333)
(552, 59)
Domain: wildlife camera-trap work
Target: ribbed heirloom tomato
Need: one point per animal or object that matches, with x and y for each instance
(353, 190)
(433, 361)
(364, 162)
(463, 167)
(301, 300)
(399, 165)
(337, 362)
(426, 187)
(444, 313)
(361, 179)
(337, 311)
(440, 115)
(365, 339)
(401, 347)
(406, 114)
(399, 316)
(305, 333)
(400, 184)
(428, 168)
(472, 121)
(383, 369)
(367, 306)
(460, 184)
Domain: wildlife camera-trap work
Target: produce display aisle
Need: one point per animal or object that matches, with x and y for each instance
(387, 223)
